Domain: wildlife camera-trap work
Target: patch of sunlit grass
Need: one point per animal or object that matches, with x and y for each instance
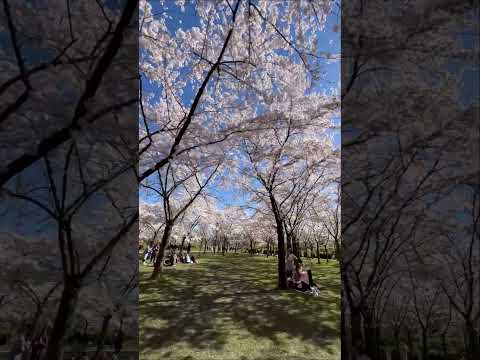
(228, 308)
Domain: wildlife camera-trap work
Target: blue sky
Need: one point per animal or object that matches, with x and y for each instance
(330, 42)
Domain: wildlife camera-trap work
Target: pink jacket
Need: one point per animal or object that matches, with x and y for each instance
(303, 277)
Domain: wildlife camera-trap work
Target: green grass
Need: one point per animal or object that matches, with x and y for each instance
(228, 308)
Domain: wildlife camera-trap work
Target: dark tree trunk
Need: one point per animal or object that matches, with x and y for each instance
(102, 336)
(288, 236)
(326, 251)
(444, 346)
(158, 266)
(318, 253)
(411, 350)
(85, 330)
(396, 336)
(182, 244)
(424, 344)
(33, 330)
(66, 309)
(356, 331)
(396, 355)
(282, 278)
(224, 245)
(345, 344)
(295, 246)
(118, 342)
(472, 351)
(370, 332)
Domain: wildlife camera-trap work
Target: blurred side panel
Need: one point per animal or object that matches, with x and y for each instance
(410, 180)
(68, 176)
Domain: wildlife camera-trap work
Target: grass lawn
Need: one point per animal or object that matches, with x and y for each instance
(228, 308)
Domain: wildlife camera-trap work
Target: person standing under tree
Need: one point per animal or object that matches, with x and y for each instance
(290, 265)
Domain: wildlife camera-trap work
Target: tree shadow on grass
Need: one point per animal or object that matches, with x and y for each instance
(202, 304)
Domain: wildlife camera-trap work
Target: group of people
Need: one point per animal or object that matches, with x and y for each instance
(150, 254)
(297, 278)
(26, 346)
(174, 259)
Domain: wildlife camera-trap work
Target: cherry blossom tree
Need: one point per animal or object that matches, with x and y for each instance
(178, 186)
(232, 65)
(221, 81)
(279, 166)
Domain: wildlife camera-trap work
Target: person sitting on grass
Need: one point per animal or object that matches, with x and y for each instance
(170, 260)
(188, 258)
(300, 278)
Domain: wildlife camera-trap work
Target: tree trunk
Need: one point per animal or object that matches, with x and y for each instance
(444, 346)
(118, 342)
(295, 246)
(66, 308)
(370, 332)
(424, 345)
(282, 278)
(288, 236)
(396, 336)
(182, 244)
(411, 350)
(158, 266)
(102, 336)
(224, 246)
(345, 345)
(472, 351)
(35, 322)
(85, 330)
(395, 354)
(326, 252)
(356, 331)
(318, 253)
(34, 332)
